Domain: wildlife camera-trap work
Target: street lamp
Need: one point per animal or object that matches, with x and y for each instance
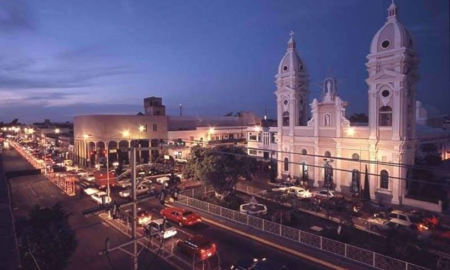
(57, 130)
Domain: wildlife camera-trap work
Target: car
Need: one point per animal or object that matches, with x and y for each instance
(257, 264)
(86, 184)
(90, 191)
(124, 183)
(180, 216)
(162, 180)
(146, 181)
(139, 191)
(90, 177)
(407, 217)
(197, 246)
(324, 194)
(299, 192)
(101, 197)
(143, 217)
(181, 160)
(160, 228)
(82, 173)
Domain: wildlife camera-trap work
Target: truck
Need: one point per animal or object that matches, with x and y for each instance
(101, 179)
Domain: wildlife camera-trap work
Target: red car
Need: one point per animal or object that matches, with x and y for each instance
(181, 216)
(197, 246)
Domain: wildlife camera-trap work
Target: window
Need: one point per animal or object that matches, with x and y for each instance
(304, 152)
(385, 116)
(272, 137)
(356, 181)
(385, 44)
(384, 179)
(252, 136)
(304, 171)
(286, 119)
(155, 127)
(252, 152)
(327, 154)
(286, 164)
(355, 156)
(285, 68)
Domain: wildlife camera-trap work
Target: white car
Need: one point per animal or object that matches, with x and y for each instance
(160, 228)
(324, 194)
(82, 173)
(181, 160)
(139, 191)
(101, 197)
(90, 177)
(299, 192)
(125, 183)
(146, 181)
(90, 191)
(162, 180)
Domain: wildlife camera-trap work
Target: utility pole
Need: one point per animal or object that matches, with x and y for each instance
(134, 239)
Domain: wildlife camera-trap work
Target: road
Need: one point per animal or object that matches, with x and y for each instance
(91, 232)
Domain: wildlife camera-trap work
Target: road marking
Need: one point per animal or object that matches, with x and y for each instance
(287, 250)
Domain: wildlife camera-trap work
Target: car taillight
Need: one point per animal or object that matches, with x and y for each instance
(184, 218)
(202, 251)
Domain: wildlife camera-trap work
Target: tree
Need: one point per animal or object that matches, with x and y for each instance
(220, 167)
(46, 239)
(359, 118)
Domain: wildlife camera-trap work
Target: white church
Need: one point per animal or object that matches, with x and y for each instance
(325, 150)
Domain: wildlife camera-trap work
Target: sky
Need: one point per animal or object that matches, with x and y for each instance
(62, 58)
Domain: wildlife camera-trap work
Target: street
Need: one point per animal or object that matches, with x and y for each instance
(92, 232)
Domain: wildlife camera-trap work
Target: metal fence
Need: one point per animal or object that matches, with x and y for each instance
(350, 252)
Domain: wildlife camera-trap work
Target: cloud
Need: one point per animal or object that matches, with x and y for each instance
(15, 15)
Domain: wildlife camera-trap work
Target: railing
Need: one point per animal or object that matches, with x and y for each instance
(350, 252)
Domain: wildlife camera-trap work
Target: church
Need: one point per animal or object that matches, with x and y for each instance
(325, 149)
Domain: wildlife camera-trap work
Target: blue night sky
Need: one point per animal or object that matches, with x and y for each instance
(61, 58)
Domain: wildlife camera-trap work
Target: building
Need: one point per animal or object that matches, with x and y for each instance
(326, 150)
(94, 135)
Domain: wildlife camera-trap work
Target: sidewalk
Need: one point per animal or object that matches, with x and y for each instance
(8, 248)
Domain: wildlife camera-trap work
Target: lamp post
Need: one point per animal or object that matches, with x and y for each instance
(141, 129)
(351, 132)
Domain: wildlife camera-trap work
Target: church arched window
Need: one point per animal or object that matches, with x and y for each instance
(355, 156)
(356, 181)
(384, 179)
(304, 152)
(286, 164)
(327, 154)
(385, 116)
(286, 119)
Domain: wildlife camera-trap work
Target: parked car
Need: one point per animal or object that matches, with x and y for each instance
(407, 217)
(146, 181)
(324, 194)
(139, 191)
(181, 160)
(160, 228)
(90, 191)
(257, 264)
(299, 192)
(101, 197)
(163, 180)
(181, 216)
(90, 177)
(124, 183)
(82, 173)
(86, 184)
(197, 246)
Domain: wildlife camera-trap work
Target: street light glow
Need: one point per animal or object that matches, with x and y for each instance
(257, 128)
(57, 130)
(85, 136)
(351, 131)
(141, 128)
(126, 133)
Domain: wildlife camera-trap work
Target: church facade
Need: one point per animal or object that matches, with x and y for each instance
(326, 150)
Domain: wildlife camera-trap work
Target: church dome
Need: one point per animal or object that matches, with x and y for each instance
(393, 35)
(291, 61)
